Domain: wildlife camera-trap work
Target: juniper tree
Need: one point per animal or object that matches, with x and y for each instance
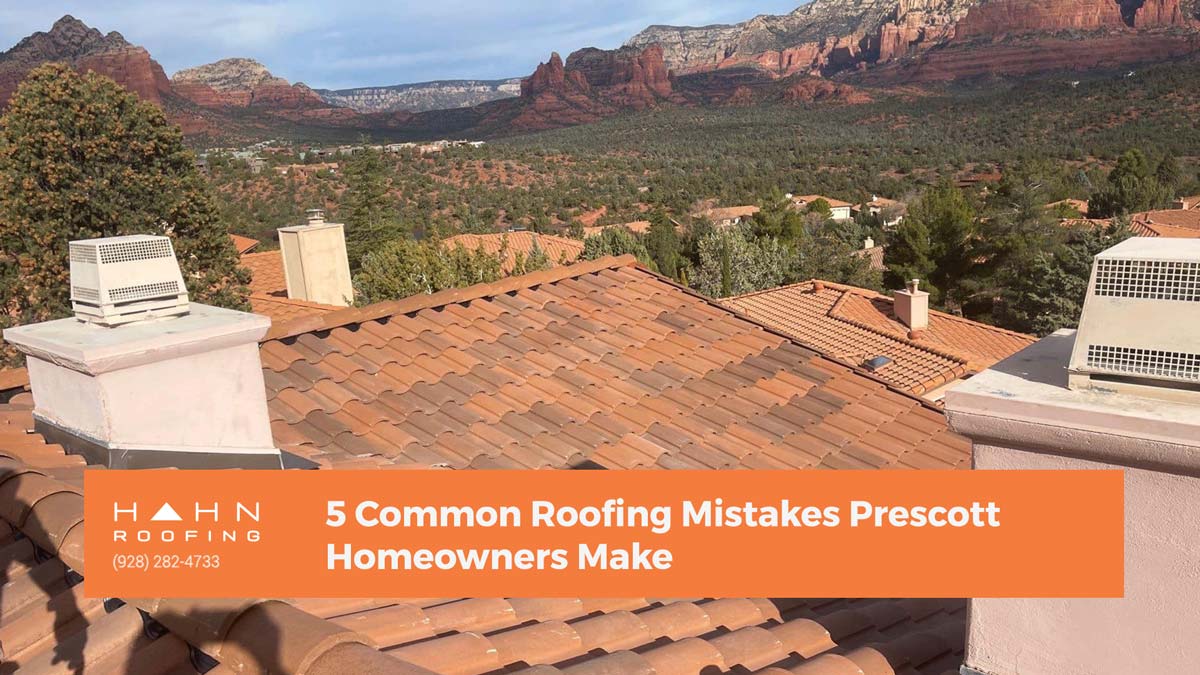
(81, 157)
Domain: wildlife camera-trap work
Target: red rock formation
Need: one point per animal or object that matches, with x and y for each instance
(1000, 17)
(812, 90)
(1037, 54)
(132, 68)
(86, 49)
(591, 85)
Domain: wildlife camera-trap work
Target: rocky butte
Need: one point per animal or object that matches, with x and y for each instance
(241, 83)
(973, 37)
(86, 49)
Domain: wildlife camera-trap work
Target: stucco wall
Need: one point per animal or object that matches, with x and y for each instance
(1154, 630)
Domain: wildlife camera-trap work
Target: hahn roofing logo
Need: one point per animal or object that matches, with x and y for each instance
(212, 522)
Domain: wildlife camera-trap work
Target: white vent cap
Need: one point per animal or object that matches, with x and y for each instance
(1141, 317)
(117, 280)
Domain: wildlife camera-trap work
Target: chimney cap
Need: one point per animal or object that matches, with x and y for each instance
(314, 216)
(913, 285)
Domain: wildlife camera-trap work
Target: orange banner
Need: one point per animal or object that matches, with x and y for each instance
(604, 533)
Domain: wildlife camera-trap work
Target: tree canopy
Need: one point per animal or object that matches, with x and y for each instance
(80, 158)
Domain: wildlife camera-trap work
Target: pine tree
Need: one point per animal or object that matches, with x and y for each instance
(80, 157)
(368, 209)
(935, 243)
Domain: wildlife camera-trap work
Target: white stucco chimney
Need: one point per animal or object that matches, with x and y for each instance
(912, 307)
(1023, 413)
(868, 244)
(315, 263)
(181, 391)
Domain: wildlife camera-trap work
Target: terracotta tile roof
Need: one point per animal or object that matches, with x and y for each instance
(1167, 223)
(662, 636)
(875, 254)
(805, 200)
(600, 364)
(284, 309)
(560, 250)
(637, 227)
(855, 324)
(268, 289)
(1079, 205)
(243, 244)
(728, 213)
(266, 270)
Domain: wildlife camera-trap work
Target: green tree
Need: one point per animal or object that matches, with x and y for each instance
(935, 243)
(367, 207)
(536, 261)
(1132, 186)
(80, 157)
(616, 241)
(732, 262)
(778, 218)
(404, 267)
(663, 245)
(1044, 292)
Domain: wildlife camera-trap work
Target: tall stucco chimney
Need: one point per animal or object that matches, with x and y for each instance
(315, 263)
(184, 390)
(912, 308)
(1140, 416)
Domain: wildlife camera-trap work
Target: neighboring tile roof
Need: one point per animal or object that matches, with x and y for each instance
(602, 364)
(284, 309)
(805, 200)
(560, 250)
(243, 244)
(718, 215)
(637, 227)
(1079, 205)
(875, 254)
(855, 324)
(266, 270)
(13, 381)
(268, 289)
(1178, 223)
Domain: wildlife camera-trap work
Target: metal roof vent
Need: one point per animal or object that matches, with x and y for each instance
(877, 363)
(1140, 329)
(116, 280)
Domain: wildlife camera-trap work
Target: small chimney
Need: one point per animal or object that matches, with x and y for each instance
(137, 380)
(315, 264)
(1139, 414)
(912, 308)
(868, 244)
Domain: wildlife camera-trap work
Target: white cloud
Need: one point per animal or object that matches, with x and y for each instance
(358, 42)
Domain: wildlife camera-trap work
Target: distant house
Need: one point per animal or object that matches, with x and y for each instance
(873, 253)
(1078, 205)
(839, 210)
(201, 165)
(256, 164)
(727, 216)
(1186, 203)
(637, 227)
(306, 169)
(559, 250)
(893, 210)
(1173, 223)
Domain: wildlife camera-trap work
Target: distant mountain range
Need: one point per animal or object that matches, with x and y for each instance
(840, 51)
(423, 96)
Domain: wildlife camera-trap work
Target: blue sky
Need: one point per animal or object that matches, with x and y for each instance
(351, 43)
